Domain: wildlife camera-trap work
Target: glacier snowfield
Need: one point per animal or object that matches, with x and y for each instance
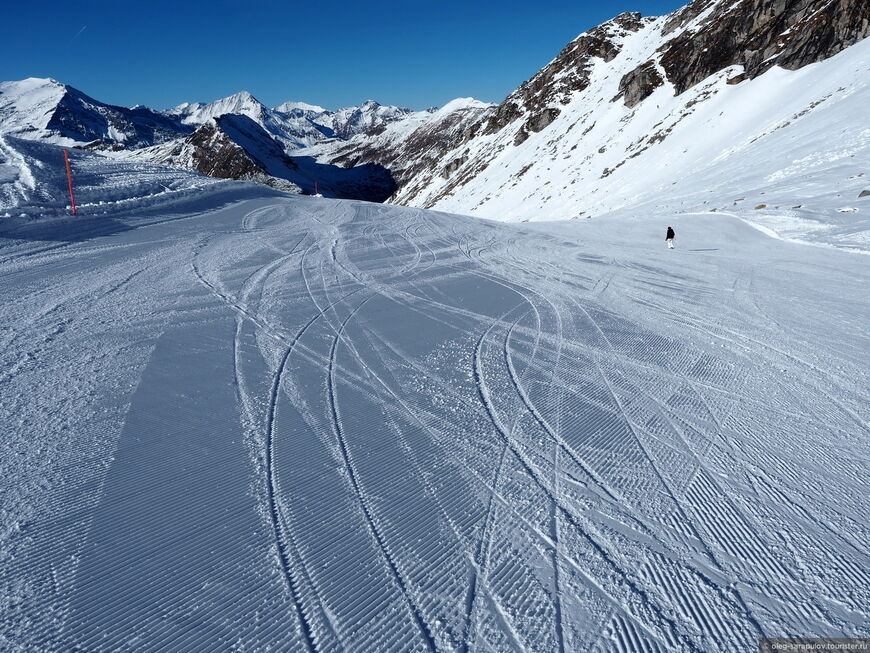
(300, 424)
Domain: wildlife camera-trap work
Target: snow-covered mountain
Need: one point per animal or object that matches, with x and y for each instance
(228, 146)
(364, 119)
(236, 137)
(235, 146)
(45, 109)
(724, 96)
(242, 103)
(411, 147)
(304, 107)
(291, 130)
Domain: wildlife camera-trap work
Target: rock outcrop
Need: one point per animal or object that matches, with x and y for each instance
(759, 34)
(567, 74)
(639, 84)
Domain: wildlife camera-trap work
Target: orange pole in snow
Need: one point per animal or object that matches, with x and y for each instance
(72, 195)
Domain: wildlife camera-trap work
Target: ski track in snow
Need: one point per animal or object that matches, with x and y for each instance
(316, 425)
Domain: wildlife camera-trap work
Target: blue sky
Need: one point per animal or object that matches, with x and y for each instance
(415, 53)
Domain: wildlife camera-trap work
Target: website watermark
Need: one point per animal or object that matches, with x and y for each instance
(814, 644)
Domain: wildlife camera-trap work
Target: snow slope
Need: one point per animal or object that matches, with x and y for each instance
(785, 138)
(33, 183)
(308, 425)
(601, 128)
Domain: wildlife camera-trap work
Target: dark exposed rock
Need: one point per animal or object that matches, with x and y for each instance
(539, 121)
(453, 166)
(630, 21)
(758, 34)
(504, 114)
(687, 14)
(864, 193)
(568, 73)
(639, 84)
(212, 150)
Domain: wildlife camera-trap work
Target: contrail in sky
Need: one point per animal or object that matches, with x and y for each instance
(84, 27)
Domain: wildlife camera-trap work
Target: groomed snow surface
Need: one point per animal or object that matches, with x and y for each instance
(298, 424)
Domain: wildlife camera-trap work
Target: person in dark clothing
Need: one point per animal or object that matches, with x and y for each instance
(669, 238)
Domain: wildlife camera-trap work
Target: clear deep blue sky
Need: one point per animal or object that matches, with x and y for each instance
(415, 53)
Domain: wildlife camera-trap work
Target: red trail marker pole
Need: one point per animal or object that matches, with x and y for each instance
(72, 195)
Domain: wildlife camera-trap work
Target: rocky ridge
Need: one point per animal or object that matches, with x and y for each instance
(594, 91)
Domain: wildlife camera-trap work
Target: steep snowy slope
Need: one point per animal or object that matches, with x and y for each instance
(723, 96)
(300, 424)
(783, 140)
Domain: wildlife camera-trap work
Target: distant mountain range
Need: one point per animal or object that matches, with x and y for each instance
(48, 110)
(236, 137)
(636, 108)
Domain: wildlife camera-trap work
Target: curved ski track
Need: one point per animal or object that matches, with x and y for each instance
(458, 435)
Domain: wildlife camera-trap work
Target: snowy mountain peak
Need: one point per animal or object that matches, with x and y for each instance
(304, 107)
(242, 103)
(460, 104)
(27, 105)
(185, 108)
(48, 110)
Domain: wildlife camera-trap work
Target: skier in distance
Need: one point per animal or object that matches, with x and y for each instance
(669, 238)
